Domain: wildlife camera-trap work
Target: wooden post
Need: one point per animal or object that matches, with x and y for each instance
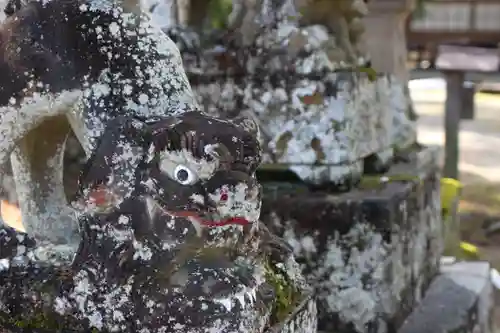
(453, 110)
(468, 92)
(454, 61)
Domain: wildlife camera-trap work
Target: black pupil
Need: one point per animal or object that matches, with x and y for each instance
(182, 175)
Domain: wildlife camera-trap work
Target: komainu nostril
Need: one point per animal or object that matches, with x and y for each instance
(224, 197)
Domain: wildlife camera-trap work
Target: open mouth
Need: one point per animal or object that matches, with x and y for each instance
(202, 219)
(211, 222)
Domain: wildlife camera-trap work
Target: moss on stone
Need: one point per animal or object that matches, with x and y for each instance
(412, 148)
(287, 295)
(378, 182)
(371, 183)
(35, 320)
(374, 182)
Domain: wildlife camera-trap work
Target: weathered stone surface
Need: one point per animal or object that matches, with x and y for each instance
(460, 299)
(322, 140)
(170, 241)
(131, 68)
(421, 166)
(370, 252)
(403, 129)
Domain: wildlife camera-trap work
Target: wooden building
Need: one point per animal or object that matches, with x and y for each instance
(455, 22)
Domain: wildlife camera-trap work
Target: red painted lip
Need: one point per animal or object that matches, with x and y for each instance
(221, 223)
(232, 220)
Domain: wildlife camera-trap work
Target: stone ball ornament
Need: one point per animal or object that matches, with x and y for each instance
(163, 234)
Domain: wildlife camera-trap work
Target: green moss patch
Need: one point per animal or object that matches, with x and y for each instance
(36, 320)
(287, 295)
(378, 182)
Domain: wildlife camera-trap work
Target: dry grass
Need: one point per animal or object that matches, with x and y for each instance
(480, 206)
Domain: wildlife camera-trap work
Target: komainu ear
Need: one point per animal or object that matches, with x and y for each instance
(111, 173)
(248, 122)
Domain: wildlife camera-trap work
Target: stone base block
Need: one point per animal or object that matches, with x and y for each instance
(358, 250)
(371, 252)
(460, 299)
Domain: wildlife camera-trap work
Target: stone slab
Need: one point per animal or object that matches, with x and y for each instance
(460, 299)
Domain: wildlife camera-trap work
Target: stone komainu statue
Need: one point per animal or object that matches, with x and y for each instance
(75, 65)
(164, 233)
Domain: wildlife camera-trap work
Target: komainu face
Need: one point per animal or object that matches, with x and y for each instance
(175, 203)
(195, 178)
(201, 174)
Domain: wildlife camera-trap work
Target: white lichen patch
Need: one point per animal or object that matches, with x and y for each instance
(244, 297)
(4, 264)
(345, 290)
(360, 278)
(237, 201)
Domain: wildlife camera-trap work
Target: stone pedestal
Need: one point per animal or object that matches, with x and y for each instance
(319, 116)
(371, 252)
(322, 125)
(321, 129)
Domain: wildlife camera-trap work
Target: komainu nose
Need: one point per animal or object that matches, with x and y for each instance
(232, 186)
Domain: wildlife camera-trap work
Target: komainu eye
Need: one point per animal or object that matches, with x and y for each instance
(184, 175)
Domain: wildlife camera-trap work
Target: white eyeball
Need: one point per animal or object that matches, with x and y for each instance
(183, 175)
